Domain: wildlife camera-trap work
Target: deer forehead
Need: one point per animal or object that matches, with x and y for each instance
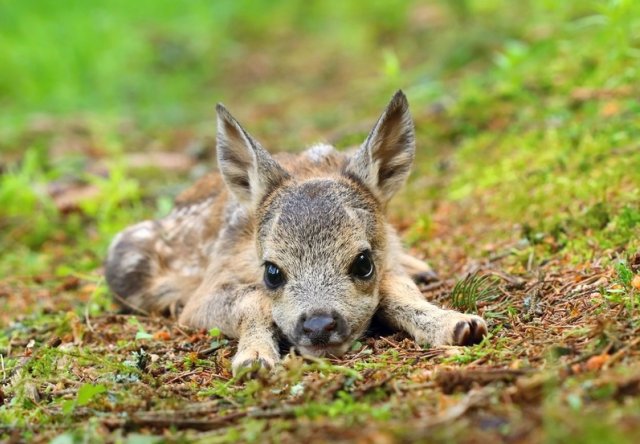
(317, 219)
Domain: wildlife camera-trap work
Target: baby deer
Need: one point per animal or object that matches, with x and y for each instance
(288, 247)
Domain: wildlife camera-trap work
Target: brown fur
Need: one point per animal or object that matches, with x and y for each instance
(311, 215)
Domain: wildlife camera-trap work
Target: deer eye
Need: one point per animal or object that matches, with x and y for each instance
(273, 276)
(362, 266)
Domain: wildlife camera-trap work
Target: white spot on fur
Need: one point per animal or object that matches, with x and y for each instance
(193, 269)
(236, 214)
(143, 231)
(318, 153)
(129, 261)
(185, 220)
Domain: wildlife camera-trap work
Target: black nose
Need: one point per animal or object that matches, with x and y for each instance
(318, 328)
(318, 325)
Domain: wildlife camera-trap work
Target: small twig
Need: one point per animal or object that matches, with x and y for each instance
(86, 307)
(430, 352)
(184, 333)
(424, 385)
(530, 261)
(86, 317)
(134, 309)
(181, 376)
(432, 286)
(373, 385)
(207, 352)
(498, 256)
(353, 358)
(163, 421)
(472, 399)
(620, 353)
(388, 341)
(285, 412)
(587, 356)
(515, 281)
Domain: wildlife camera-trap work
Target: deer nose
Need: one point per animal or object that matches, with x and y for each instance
(318, 325)
(318, 328)
(321, 328)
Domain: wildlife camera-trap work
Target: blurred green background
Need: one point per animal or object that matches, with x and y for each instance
(166, 63)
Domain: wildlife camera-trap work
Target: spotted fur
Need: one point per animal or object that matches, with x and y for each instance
(310, 215)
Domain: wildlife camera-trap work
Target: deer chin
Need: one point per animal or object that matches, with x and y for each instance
(326, 350)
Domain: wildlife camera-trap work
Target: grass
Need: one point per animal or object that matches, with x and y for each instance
(527, 171)
(467, 292)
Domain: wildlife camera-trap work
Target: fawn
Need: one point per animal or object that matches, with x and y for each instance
(288, 247)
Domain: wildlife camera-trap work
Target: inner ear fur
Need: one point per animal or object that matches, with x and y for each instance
(384, 160)
(248, 169)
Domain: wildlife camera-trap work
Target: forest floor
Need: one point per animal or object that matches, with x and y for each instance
(525, 198)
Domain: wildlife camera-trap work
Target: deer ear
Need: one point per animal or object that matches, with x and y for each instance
(248, 169)
(384, 160)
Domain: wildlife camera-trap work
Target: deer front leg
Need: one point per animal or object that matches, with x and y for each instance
(403, 307)
(242, 312)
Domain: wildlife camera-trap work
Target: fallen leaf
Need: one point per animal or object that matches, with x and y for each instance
(162, 335)
(635, 283)
(596, 362)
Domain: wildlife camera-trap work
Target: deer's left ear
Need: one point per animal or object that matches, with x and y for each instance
(384, 160)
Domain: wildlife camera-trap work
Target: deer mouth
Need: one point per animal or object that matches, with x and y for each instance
(324, 350)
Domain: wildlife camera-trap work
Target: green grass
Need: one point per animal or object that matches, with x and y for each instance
(528, 169)
(468, 291)
(147, 60)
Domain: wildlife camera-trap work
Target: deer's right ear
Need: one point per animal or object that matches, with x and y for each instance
(384, 160)
(248, 169)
